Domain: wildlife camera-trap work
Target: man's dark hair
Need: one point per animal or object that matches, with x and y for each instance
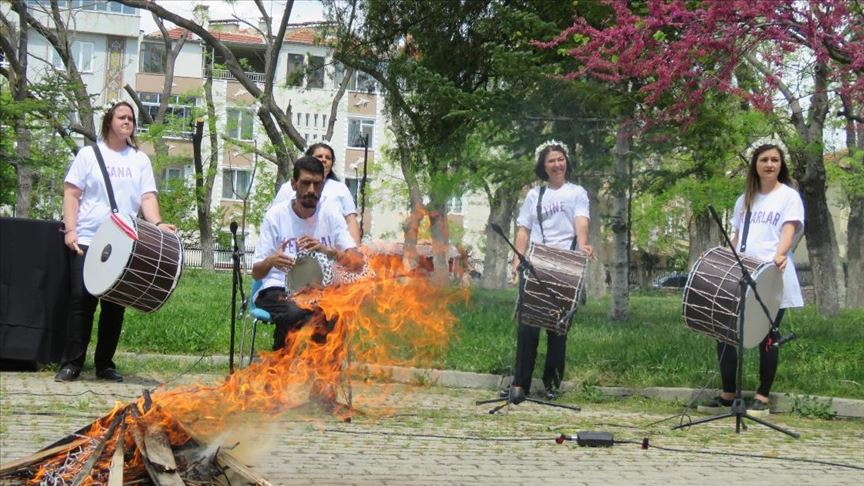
(309, 164)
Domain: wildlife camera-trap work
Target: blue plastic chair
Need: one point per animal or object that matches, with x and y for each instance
(254, 315)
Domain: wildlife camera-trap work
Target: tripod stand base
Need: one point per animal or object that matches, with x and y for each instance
(517, 396)
(739, 423)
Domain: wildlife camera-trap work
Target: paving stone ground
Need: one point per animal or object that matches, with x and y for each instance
(405, 434)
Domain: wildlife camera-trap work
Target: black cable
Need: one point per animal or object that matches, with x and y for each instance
(644, 444)
(437, 436)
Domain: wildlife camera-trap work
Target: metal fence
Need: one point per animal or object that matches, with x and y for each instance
(221, 257)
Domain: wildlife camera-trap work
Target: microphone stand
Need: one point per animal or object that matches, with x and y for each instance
(516, 394)
(739, 410)
(236, 283)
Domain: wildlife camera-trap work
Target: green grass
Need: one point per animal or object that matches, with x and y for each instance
(652, 348)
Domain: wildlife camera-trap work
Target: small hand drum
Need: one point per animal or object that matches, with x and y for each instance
(712, 300)
(312, 269)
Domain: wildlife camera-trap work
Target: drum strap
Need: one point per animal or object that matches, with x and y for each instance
(105, 176)
(540, 212)
(744, 232)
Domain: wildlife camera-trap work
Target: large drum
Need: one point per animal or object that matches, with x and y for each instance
(133, 263)
(550, 301)
(712, 297)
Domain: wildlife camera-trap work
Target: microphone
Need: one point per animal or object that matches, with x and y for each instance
(234, 228)
(783, 340)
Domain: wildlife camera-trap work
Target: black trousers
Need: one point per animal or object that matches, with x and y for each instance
(288, 316)
(527, 340)
(82, 307)
(769, 359)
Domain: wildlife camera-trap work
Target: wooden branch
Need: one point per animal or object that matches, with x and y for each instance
(143, 114)
(87, 468)
(40, 456)
(115, 470)
(797, 112)
(249, 148)
(334, 105)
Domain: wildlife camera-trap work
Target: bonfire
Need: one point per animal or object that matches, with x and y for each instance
(179, 436)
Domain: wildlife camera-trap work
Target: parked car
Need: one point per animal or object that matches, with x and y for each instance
(675, 280)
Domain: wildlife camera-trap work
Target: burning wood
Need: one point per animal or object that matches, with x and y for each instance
(395, 318)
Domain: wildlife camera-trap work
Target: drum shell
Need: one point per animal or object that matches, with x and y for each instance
(151, 269)
(711, 300)
(547, 302)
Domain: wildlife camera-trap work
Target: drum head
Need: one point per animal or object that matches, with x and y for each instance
(309, 270)
(769, 285)
(107, 256)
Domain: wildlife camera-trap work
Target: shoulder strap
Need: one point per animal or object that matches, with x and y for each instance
(540, 212)
(105, 176)
(744, 232)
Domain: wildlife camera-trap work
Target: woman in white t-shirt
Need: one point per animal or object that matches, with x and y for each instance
(335, 191)
(776, 222)
(85, 207)
(564, 209)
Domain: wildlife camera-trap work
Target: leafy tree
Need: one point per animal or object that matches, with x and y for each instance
(679, 51)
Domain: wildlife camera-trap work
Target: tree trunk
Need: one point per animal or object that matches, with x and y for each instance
(704, 234)
(595, 280)
(620, 266)
(204, 177)
(440, 241)
(25, 177)
(496, 262)
(855, 254)
(23, 167)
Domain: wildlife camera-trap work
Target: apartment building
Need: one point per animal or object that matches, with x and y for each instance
(111, 50)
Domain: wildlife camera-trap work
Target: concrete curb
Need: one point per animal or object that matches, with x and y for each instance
(780, 402)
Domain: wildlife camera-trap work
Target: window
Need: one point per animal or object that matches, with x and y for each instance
(315, 72)
(180, 115)
(359, 128)
(171, 175)
(363, 82)
(235, 183)
(82, 55)
(152, 59)
(295, 70)
(454, 205)
(240, 124)
(354, 187)
(102, 6)
(298, 118)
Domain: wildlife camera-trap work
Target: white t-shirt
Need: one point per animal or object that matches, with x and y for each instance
(334, 192)
(768, 214)
(131, 177)
(560, 207)
(282, 223)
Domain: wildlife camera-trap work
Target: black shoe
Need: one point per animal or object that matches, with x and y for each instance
(552, 394)
(109, 374)
(505, 392)
(67, 374)
(717, 404)
(759, 408)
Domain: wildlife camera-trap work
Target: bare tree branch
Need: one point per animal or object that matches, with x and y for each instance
(334, 106)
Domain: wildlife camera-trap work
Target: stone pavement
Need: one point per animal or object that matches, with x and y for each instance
(435, 435)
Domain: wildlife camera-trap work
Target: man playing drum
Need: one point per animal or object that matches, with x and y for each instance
(554, 214)
(299, 225)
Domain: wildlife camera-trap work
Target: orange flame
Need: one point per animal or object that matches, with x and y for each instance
(394, 318)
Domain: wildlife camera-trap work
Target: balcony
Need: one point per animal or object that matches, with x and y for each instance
(226, 74)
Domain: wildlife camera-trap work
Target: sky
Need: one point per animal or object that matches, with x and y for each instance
(303, 11)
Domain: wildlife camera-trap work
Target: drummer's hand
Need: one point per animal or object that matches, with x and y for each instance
(307, 243)
(71, 240)
(588, 250)
(168, 228)
(780, 261)
(280, 261)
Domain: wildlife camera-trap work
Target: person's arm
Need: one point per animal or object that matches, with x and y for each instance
(735, 241)
(277, 259)
(581, 224)
(150, 208)
(787, 237)
(353, 227)
(71, 202)
(521, 244)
